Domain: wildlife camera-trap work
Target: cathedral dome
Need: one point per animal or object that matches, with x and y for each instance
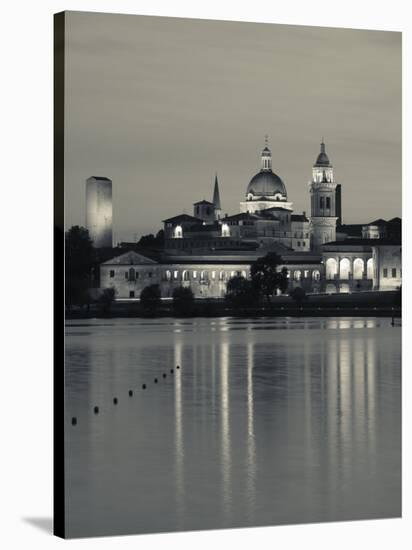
(266, 183)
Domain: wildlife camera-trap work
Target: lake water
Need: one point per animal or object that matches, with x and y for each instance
(268, 421)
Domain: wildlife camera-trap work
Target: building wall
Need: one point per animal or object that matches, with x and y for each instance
(300, 233)
(120, 277)
(99, 212)
(388, 267)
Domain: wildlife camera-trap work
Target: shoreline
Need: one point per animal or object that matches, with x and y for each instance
(395, 313)
(360, 304)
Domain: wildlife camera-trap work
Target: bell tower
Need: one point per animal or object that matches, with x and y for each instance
(323, 201)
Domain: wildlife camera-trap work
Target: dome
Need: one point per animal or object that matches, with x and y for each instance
(322, 160)
(266, 183)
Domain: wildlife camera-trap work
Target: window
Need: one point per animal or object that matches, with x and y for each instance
(298, 243)
(306, 274)
(149, 274)
(213, 275)
(126, 275)
(168, 275)
(194, 274)
(132, 274)
(328, 202)
(111, 273)
(385, 272)
(394, 272)
(322, 202)
(175, 274)
(131, 294)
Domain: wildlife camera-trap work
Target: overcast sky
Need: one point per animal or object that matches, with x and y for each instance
(160, 104)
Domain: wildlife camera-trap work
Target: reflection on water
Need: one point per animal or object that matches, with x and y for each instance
(268, 421)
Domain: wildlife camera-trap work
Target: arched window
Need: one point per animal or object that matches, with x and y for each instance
(175, 275)
(297, 275)
(316, 275)
(232, 274)
(168, 275)
(344, 269)
(185, 275)
(222, 276)
(225, 230)
(132, 274)
(178, 232)
(331, 268)
(244, 274)
(369, 268)
(213, 275)
(358, 268)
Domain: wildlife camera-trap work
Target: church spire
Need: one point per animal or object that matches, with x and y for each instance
(216, 199)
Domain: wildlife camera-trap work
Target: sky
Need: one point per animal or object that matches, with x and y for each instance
(159, 105)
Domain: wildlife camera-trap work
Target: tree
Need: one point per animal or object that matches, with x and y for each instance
(183, 301)
(241, 292)
(106, 299)
(151, 241)
(266, 277)
(79, 255)
(150, 298)
(298, 294)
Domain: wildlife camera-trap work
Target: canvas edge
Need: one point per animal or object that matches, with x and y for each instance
(58, 278)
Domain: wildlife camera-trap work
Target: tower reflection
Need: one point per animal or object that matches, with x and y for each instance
(179, 447)
(225, 431)
(251, 442)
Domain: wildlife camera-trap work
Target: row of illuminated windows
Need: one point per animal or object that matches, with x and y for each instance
(186, 275)
(394, 273)
(298, 275)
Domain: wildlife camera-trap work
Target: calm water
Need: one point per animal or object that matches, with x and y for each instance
(268, 421)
